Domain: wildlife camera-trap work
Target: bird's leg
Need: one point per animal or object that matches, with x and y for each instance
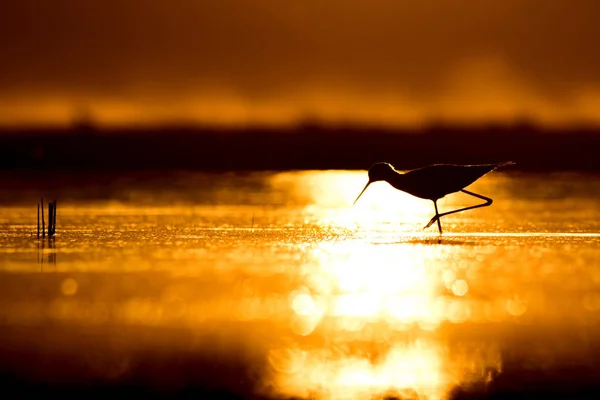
(437, 214)
(488, 202)
(435, 218)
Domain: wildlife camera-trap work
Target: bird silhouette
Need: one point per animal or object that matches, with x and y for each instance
(434, 182)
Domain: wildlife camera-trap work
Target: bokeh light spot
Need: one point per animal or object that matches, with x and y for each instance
(68, 287)
(460, 287)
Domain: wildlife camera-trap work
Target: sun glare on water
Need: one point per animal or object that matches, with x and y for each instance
(374, 282)
(329, 197)
(358, 297)
(358, 301)
(411, 371)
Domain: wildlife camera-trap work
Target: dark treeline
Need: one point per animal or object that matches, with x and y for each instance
(303, 147)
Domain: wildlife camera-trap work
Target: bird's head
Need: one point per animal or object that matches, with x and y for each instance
(378, 172)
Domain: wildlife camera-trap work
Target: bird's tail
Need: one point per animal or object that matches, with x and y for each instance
(505, 163)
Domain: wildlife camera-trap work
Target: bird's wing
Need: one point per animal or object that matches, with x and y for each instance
(441, 179)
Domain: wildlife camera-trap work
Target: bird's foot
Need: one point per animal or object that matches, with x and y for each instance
(431, 222)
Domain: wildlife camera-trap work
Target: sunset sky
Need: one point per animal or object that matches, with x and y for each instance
(396, 62)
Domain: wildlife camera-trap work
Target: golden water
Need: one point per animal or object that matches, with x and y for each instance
(272, 284)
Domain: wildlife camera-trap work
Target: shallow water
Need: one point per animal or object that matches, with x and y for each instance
(274, 285)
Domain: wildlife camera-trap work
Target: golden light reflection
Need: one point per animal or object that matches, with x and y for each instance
(328, 196)
(359, 280)
(415, 368)
(358, 297)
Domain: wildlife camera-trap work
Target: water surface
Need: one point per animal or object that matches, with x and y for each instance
(274, 285)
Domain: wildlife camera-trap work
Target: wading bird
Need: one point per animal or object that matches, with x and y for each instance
(433, 182)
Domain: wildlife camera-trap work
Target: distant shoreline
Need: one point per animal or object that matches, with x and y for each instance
(303, 147)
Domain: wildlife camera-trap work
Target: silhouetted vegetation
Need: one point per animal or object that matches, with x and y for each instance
(307, 146)
(51, 219)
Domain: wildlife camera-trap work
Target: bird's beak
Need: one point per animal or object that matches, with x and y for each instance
(366, 186)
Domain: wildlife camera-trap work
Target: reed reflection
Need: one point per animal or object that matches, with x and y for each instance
(46, 248)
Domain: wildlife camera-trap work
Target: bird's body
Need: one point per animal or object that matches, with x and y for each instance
(436, 181)
(433, 182)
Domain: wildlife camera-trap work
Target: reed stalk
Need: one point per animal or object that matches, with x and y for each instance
(50, 218)
(51, 227)
(54, 218)
(43, 222)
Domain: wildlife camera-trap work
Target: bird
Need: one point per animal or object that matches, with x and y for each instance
(434, 182)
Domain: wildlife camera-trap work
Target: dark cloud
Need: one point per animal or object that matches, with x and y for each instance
(273, 51)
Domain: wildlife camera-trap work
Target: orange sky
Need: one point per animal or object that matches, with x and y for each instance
(269, 61)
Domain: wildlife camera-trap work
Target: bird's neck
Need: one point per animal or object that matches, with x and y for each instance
(396, 179)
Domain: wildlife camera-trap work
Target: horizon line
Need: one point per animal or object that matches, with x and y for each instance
(302, 124)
